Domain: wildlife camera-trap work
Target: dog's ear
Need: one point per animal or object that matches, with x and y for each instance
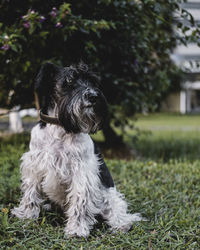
(45, 85)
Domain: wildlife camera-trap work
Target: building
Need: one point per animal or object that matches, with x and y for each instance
(188, 58)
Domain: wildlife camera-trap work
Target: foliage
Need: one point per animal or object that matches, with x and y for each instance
(166, 193)
(127, 42)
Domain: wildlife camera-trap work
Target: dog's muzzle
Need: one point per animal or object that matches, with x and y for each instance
(90, 97)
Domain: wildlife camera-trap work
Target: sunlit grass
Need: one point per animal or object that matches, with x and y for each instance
(168, 121)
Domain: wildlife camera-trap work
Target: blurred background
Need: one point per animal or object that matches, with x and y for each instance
(146, 53)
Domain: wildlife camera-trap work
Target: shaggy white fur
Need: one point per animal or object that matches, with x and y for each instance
(64, 168)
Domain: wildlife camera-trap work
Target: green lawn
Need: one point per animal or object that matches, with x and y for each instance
(162, 183)
(165, 137)
(168, 122)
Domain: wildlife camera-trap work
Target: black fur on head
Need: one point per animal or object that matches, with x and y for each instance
(72, 94)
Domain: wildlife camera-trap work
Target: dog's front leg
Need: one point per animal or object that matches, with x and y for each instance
(31, 200)
(83, 203)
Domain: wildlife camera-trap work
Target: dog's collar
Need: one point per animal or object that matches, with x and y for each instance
(49, 119)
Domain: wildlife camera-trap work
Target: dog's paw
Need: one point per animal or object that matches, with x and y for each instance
(125, 224)
(138, 217)
(77, 231)
(25, 212)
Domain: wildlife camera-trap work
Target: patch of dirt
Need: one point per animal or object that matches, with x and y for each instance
(118, 152)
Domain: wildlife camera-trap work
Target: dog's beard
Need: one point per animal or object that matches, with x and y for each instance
(75, 117)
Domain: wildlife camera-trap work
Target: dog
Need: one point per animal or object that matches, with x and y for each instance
(63, 163)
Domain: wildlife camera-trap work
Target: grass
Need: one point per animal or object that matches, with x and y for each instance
(165, 137)
(167, 121)
(162, 184)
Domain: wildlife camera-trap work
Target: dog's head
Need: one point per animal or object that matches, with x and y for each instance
(72, 95)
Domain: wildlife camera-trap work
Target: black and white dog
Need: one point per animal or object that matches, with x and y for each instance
(63, 163)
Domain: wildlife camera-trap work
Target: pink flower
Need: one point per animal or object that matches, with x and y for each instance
(27, 25)
(53, 13)
(6, 37)
(5, 47)
(42, 19)
(23, 17)
(59, 25)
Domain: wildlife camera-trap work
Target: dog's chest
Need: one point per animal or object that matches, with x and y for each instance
(61, 151)
(59, 157)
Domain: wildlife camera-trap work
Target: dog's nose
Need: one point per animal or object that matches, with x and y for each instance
(91, 97)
